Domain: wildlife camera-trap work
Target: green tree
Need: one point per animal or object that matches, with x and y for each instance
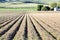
(39, 7)
(53, 5)
(58, 5)
(45, 8)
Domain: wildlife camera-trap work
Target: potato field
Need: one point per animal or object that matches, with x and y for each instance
(30, 26)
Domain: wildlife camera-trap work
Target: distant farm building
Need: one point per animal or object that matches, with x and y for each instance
(56, 9)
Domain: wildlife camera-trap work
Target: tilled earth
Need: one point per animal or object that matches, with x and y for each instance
(30, 26)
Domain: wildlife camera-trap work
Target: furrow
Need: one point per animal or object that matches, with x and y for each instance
(32, 32)
(5, 23)
(8, 26)
(25, 30)
(49, 28)
(51, 23)
(5, 19)
(42, 31)
(20, 34)
(11, 33)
